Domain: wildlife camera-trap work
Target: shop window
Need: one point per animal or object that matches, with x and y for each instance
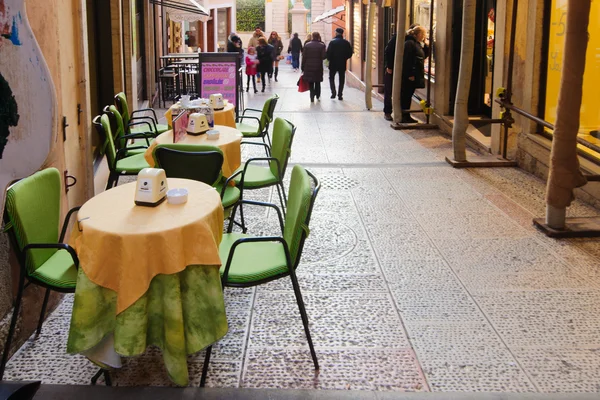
(589, 129)
(356, 27)
(421, 14)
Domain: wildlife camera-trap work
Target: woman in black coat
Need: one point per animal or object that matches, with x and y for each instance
(413, 68)
(312, 65)
(264, 53)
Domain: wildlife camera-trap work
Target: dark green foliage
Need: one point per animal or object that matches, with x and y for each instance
(9, 115)
(250, 13)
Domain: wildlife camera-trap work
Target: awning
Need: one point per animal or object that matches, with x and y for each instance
(184, 10)
(329, 13)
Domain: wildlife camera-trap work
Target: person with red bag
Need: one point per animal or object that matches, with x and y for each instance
(312, 65)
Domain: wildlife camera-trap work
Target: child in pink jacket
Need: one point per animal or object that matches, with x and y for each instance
(251, 63)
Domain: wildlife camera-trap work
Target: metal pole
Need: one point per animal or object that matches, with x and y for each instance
(431, 44)
(511, 61)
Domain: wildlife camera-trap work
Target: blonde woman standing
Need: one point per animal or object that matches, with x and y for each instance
(275, 41)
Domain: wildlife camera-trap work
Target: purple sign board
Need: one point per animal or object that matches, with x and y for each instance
(219, 73)
(219, 77)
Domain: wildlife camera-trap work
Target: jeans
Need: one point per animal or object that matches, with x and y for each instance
(387, 93)
(342, 79)
(295, 60)
(315, 90)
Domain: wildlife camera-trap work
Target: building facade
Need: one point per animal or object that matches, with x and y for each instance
(536, 73)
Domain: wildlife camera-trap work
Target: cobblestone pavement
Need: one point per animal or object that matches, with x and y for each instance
(416, 276)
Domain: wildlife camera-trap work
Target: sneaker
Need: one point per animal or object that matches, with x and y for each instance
(388, 117)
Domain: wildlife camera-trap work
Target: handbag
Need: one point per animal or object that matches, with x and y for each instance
(302, 84)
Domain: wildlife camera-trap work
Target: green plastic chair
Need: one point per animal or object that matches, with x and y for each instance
(119, 163)
(31, 219)
(130, 120)
(200, 163)
(120, 139)
(260, 130)
(258, 176)
(250, 261)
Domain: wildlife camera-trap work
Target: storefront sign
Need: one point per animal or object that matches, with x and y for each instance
(219, 77)
(590, 107)
(219, 73)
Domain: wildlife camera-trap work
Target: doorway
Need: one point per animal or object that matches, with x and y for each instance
(140, 50)
(482, 91)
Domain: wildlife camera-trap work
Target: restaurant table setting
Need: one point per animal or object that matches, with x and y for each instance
(149, 273)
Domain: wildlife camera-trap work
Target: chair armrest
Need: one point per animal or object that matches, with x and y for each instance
(264, 159)
(251, 109)
(264, 204)
(229, 180)
(137, 120)
(256, 239)
(63, 231)
(59, 246)
(258, 144)
(249, 117)
(124, 150)
(144, 110)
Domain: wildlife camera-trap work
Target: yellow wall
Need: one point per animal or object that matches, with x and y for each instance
(590, 108)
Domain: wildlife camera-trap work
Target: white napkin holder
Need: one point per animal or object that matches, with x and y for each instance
(216, 101)
(198, 124)
(151, 188)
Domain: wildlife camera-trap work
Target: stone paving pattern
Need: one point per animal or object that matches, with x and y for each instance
(416, 276)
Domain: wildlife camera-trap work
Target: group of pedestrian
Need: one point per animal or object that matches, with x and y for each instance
(337, 54)
(416, 50)
(262, 61)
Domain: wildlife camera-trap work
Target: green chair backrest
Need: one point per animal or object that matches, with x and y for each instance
(32, 212)
(118, 127)
(266, 117)
(281, 148)
(102, 125)
(301, 199)
(123, 107)
(197, 162)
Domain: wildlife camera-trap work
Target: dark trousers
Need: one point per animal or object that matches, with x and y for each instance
(406, 94)
(253, 82)
(295, 60)
(342, 78)
(387, 93)
(315, 90)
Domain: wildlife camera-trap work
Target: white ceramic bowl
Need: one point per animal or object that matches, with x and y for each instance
(177, 196)
(212, 134)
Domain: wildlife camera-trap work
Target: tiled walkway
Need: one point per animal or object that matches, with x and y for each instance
(416, 277)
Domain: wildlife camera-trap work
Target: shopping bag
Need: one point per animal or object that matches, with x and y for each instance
(288, 59)
(302, 84)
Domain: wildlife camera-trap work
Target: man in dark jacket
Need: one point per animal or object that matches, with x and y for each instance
(338, 52)
(295, 48)
(390, 53)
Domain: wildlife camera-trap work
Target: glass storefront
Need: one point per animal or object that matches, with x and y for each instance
(590, 107)
(421, 15)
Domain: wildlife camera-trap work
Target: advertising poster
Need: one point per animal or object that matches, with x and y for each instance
(219, 77)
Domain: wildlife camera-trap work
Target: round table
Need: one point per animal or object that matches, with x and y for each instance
(228, 141)
(148, 276)
(225, 116)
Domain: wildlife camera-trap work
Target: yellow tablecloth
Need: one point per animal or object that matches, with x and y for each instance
(122, 246)
(229, 143)
(225, 116)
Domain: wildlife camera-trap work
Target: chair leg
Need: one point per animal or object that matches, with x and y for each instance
(243, 226)
(205, 366)
(43, 313)
(106, 374)
(13, 325)
(111, 179)
(304, 317)
(283, 192)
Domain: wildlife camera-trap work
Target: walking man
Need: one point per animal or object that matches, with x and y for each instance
(295, 48)
(338, 52)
